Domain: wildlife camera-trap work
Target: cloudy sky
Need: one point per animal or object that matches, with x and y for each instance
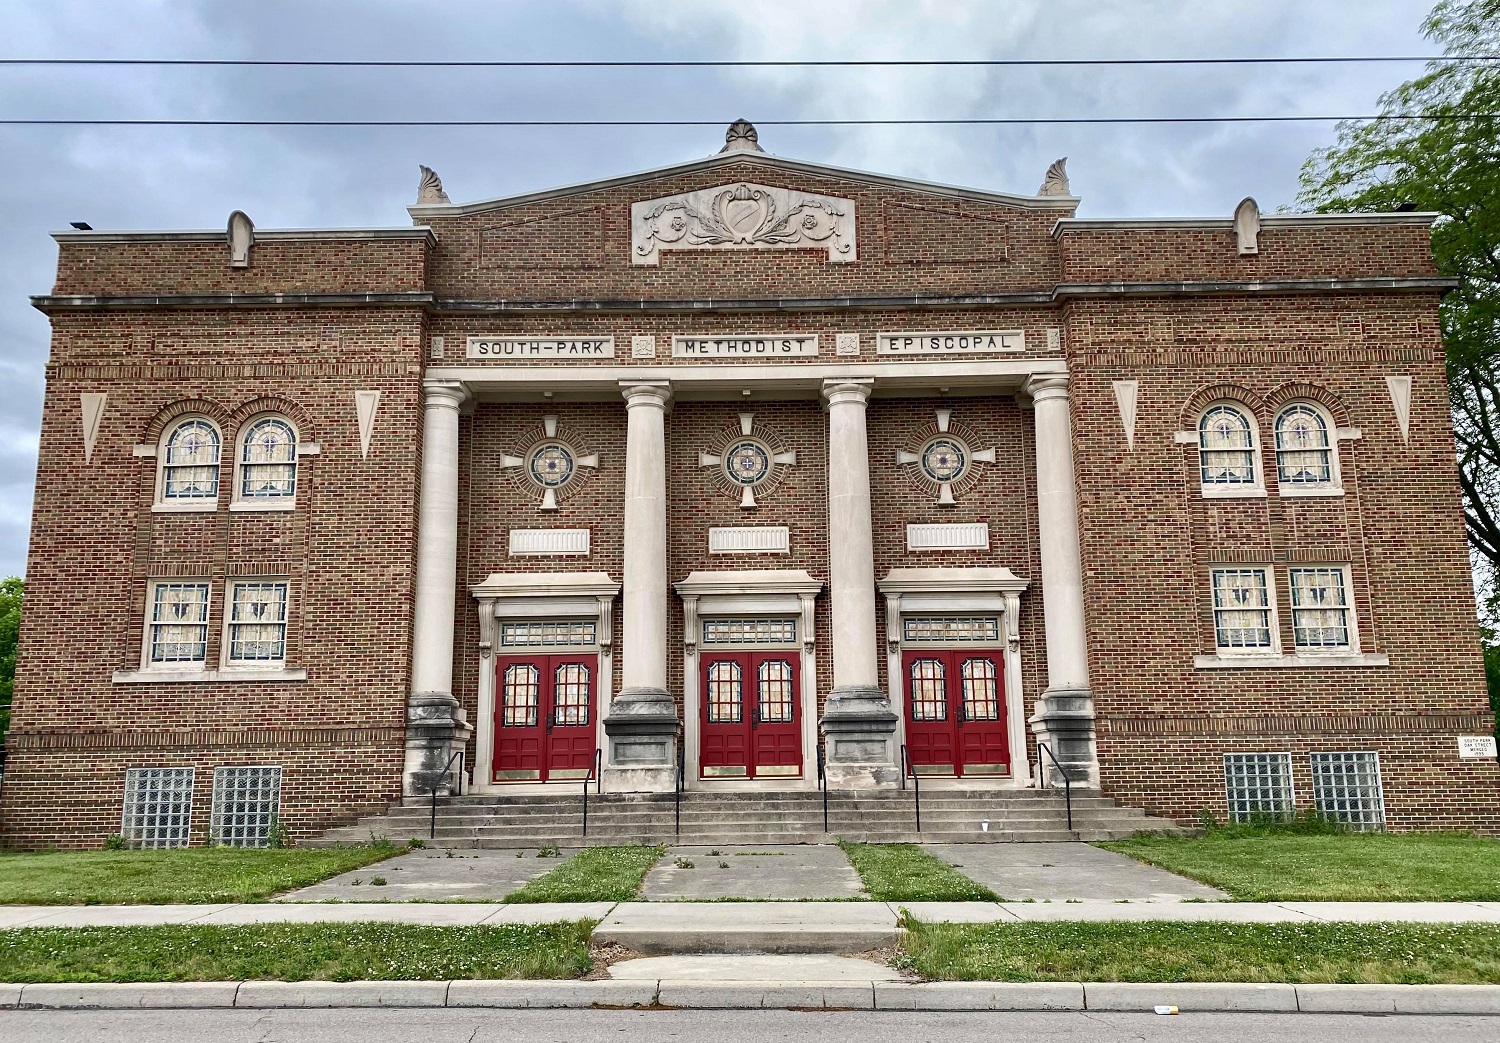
(192, 178)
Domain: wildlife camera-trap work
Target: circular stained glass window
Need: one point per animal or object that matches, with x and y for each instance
(945, 459)
(551, 464)
(747, 463)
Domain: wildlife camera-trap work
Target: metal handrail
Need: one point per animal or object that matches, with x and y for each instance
(823, 785)
(916, 783)
(677, 787)
(1067, 780)
(436, 781)
(597, 777)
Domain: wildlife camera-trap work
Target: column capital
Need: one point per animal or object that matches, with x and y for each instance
(1043, 386)
(451, 394)
(646, 393)
(853, 389)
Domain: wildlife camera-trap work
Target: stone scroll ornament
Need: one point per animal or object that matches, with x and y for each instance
(945, 462)
(551, 466)
(742, 216)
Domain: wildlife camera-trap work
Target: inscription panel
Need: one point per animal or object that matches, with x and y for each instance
(528, 349)
(787, 345)
(956, 342)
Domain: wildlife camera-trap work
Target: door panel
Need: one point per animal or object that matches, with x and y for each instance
(748, 715)
(955, 712)
(775, 737)
(544, 717)
(570, 736)
(725, 733)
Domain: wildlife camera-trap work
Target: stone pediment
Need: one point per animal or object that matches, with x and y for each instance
(742, 216)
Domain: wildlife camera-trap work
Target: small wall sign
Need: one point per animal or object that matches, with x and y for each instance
(1474, 747)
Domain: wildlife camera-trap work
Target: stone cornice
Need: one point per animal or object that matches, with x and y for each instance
(1170, 224)
(92, 237)
(56, 304)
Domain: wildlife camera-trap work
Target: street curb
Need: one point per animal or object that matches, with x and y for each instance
(1188, 997)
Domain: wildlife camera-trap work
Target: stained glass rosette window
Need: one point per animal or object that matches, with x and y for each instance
(944, 460)
(747, 463)
(551, 465)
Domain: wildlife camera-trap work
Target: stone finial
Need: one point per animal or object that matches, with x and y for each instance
(1247, 226)
(241, 237)
(741, 137)
(430, 190)
(1056, 181)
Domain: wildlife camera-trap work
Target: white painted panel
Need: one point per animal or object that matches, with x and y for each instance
(963, 536)
(549, 541)
(750, 539)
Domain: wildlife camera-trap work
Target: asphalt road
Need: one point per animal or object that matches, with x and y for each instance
(773, 1026)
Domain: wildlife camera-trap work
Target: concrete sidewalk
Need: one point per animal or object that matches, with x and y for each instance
(807, 917)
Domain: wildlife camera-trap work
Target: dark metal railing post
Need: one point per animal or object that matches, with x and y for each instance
(823, 785)
(594, 773)
(916, 784)
(1067, 780)
(677, 788)
(436, 782)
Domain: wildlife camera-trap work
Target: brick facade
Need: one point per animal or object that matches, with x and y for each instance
(165, 327)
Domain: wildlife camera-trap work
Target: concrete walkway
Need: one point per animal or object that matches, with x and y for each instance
(1067, 872)
(433, 875)
(782, 872)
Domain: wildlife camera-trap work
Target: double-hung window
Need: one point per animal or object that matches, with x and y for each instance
(1322, 620)
(266, 467)
(256, 623)
(177, 625)
(1227, 451)
(1244, 612)
(1306, 457)
(188, 466)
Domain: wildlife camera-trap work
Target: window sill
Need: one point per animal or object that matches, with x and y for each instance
(1232, 492)
(204, 506)
(251, 505)
(1214, 662)
(204, 676)
(1314, 490)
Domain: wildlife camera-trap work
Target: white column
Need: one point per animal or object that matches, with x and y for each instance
(434, 719)
(858, 725)
(642, 719)
(1065, 714)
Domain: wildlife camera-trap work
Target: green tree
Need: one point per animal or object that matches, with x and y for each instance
(10, 626)
(1426, 154)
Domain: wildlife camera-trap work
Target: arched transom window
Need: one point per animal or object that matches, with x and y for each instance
(1304, 452)
(190, 462)
(1226, 447)
(268, 462)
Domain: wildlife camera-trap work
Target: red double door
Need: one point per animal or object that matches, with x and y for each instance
(955, 712)
(544, 717)
(748, 715)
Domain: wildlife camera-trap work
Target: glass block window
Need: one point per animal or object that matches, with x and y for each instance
(190, 461)
(1258, 784)
(247, 804)
(919, 629)
(158, 807)
(725, 695)
(177, 631)
(268, 460)
(1242, 610)
(775, 691)
(1226, 447)
(1320, 608)
(519, 696)
(981, 690)
(928, 694)
(547, 634)
(749, 631)
(1346, 788)
(257, 622)
(570, 694)
(1303, 456)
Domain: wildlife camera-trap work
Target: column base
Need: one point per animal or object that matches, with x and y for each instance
(642, 731)
(435, 730)
(859, 736)
(1064, 720)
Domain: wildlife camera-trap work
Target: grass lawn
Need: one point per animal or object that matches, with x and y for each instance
(906, 873)
(1274, 952)
(294, 952)
(596, 874)
(1267, 866)
(198, 874)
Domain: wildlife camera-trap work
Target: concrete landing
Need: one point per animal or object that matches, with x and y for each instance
(434, 876)
(798, 871)
(755, 967)
(746, 927)
(1068, 872)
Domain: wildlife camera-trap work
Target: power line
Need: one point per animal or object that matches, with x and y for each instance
(733, 64)
(978, 121)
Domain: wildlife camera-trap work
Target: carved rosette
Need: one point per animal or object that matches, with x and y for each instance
(742, 216)
(944, 458)
(552, 465)
(749, 461)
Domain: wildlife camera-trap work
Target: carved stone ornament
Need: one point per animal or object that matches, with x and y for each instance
(747, 461)
(741, 137)
(241, 237)
(740, 217)
(944, 462)
(1056, 181)
(550, 465)
(430, 189)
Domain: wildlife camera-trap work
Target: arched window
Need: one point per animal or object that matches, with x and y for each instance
(190, 463)
(1304, 453)
(267, 462)
(1226, 448)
